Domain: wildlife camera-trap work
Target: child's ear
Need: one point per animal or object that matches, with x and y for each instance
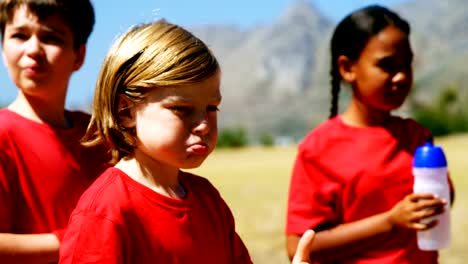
(345, 66)
(126, 112)
(80, 54)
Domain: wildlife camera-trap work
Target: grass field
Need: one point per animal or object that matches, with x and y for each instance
(254, 182)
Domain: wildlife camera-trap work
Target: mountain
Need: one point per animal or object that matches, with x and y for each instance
(440, 43)
(275, 75)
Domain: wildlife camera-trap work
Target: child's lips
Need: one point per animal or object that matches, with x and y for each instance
(34, 70)
(199, 149)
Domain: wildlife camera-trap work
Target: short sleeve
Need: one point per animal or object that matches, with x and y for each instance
(91, 239)
(312, 200)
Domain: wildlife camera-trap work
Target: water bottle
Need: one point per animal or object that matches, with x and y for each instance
(430, 176)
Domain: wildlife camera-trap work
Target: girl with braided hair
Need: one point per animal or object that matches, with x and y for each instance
(352, 180)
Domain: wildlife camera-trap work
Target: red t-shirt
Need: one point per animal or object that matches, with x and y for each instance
(43, 172)
(343, 174)
(119, 220)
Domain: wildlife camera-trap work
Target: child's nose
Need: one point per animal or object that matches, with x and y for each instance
(202, 126)
(402, 76)
(33, 47)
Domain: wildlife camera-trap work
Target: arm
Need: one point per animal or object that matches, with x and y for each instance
(28, 248)
(347, 239)
(340, 242)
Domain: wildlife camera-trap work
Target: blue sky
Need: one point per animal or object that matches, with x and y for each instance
(113, 17)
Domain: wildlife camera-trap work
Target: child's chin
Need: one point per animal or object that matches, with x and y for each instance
(193, 165)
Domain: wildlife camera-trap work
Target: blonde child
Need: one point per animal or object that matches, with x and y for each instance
(155, 107)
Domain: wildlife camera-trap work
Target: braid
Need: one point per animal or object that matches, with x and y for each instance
(335, 84)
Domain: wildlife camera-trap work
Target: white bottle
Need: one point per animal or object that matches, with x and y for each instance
(430, 176)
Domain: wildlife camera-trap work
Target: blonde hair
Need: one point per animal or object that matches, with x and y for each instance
(147, 56)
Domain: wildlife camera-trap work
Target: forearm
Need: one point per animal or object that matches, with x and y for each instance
(346, 239)
(28, 248)
(341, 252)
(350, 233)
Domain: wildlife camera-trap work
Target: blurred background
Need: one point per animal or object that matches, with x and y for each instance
(275, 59)
(275, 62)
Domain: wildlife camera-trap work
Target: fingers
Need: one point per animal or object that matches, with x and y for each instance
(431, 224)
(424, 225)
(416, 210)
(426, 201)
(414, 197)
(303, 248)
(432, 210)
(426, 206)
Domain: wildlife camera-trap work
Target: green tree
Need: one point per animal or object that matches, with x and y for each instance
(266, 139)
(447, 115)
(234, 137)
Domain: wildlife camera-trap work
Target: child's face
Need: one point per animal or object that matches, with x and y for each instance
(39, 54)
(177, 126)
(382, 75)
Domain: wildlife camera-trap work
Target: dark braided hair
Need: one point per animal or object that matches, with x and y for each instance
(351, 36)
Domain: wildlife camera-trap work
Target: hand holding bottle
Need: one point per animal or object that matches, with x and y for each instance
(414, 209)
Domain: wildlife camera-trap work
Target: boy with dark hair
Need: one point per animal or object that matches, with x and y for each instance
(43, 167)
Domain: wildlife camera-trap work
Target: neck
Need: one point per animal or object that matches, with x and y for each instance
(160, 178)
(51, 112)
(360, 115)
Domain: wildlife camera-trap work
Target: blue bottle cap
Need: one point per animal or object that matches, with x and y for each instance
(429, 156)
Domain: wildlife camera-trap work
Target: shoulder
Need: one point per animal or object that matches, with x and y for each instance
(321, 136)
(7, 119)
(410, 126)
(107, 196)
(410, 123)
(10, 126)
(204, 194)
(197, 182)
(5, 114)
(201, 187)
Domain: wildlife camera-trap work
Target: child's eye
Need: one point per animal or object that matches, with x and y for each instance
(52, 39)
(212, 108)
(181, 110)
(387, 65)
(18, 36)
